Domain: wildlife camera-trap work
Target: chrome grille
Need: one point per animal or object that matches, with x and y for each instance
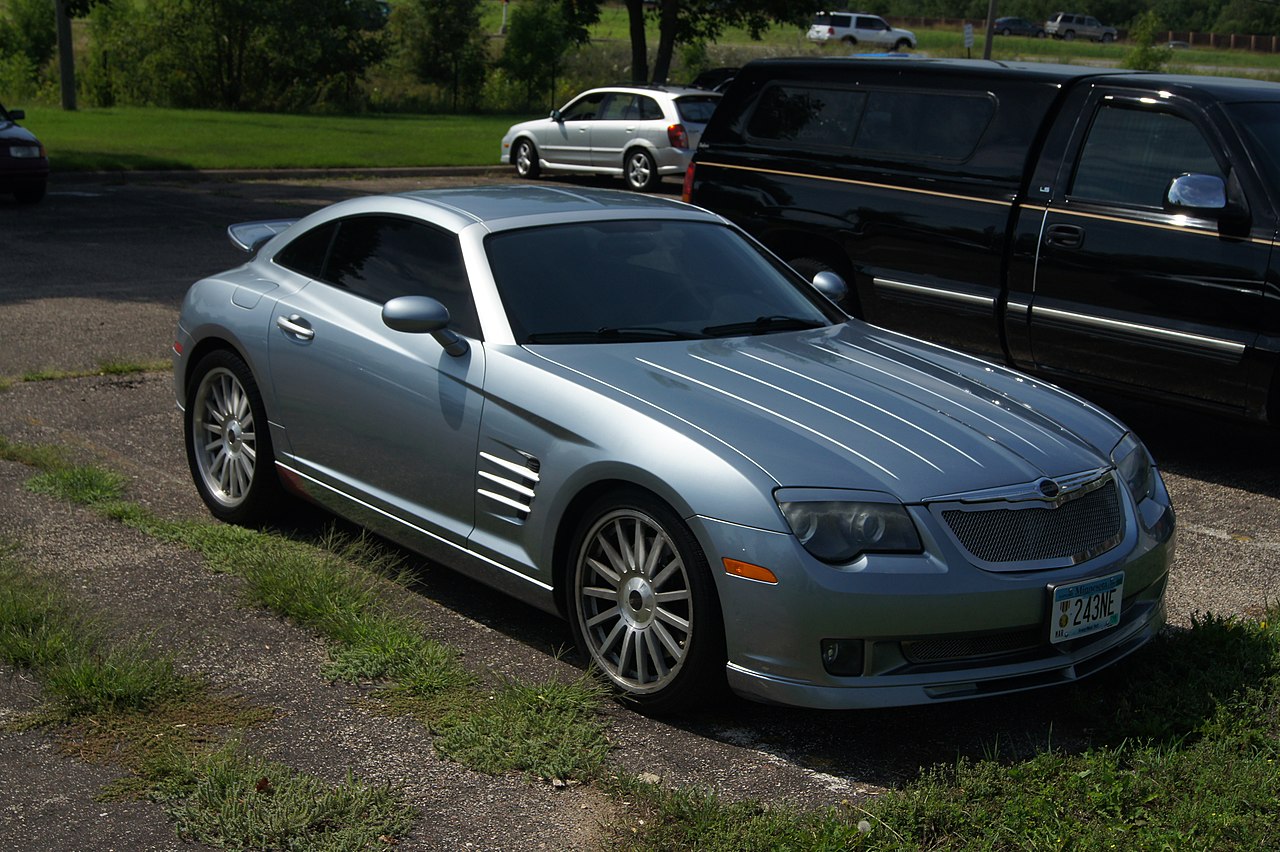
(1077, 529)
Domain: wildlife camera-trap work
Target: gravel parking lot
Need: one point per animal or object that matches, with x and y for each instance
(97, 271)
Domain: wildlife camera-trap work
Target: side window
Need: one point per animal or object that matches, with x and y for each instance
(841, 20)
(923, 125)
(382, 257)
(804, 115)
(1132, 153)
(306, 254)
(649, 109)
(871, 24)
(583, 108)
(620, 107)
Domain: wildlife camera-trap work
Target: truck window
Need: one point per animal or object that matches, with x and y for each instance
(1132, 153)
(1259, 124)
(881, 125)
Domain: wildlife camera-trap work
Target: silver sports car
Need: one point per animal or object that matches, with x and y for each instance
(621, 409)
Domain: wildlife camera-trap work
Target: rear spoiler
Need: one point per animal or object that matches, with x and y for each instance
(249, 236)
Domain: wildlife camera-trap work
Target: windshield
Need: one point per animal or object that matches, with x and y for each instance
(639, 280)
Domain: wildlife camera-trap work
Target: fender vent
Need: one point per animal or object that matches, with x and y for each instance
(508, 486)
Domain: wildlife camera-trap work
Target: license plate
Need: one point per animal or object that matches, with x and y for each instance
(1085, 607)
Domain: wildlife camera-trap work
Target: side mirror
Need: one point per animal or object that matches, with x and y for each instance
(1196, 193)
(830, 285)
(555, 116)
(17, 114)
(423, 315)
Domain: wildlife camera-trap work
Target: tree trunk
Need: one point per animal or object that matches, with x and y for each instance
(66, 56)
(667, 22)
(639, 49)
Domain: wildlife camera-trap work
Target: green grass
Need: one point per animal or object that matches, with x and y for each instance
(106, 367)
(337, 587)
(130, 138)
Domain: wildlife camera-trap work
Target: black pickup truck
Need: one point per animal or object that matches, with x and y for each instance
(1106, 228)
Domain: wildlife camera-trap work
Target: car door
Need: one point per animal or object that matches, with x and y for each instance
(1130, 293)
(617, 125)
(871, 30)
(567, 138)
(385, 416)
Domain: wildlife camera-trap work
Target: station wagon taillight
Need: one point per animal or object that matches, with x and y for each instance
(677, 136)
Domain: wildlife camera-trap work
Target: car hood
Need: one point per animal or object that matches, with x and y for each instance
(857, 407)
(10, 132)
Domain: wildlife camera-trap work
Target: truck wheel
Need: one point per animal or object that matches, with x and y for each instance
(1069, 35)
(902, 46)
(1107, 37)
(526, 160)
(849, 40)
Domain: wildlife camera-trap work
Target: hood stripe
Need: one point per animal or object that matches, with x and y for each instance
(820, 407)
(949, 400)
(770, 412)
(904, 421)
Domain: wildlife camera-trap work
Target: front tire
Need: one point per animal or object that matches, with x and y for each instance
(644, 609)
(641, 171)
(902, 46)
(229, 442)
(526, 160)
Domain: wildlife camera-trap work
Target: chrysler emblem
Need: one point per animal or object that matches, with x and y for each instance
(1049, 488)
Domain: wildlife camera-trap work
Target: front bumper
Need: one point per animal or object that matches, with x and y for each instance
(932, 627)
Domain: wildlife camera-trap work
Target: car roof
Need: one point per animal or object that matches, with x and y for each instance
(646, 89)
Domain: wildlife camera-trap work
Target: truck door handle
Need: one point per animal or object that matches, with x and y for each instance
(296, 326)
(1064, 236)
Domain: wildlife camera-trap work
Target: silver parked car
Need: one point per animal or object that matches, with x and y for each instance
(1069, 26)
(638, 132)
(622, 409)
(859, 28)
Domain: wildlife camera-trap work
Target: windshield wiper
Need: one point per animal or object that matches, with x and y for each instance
(762, 325)
(612, 335)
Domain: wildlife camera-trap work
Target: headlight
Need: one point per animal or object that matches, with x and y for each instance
(1134, 465)
(26, 152)
(839, 532)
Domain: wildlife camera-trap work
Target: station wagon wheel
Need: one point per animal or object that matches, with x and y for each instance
(644, 607)
(228, 442)
(526, 159)
(641, 171)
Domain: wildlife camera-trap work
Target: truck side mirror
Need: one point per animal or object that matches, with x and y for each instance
(1196, 193)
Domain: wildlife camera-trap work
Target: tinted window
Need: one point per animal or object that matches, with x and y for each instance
(382, 257)
(583, 108)
(807, 115)
(1259, 124)
(679, 277)
(1132, 154)
(306, 254)
(619, 107)
(695, 110)
(649, 109)
(886, 125)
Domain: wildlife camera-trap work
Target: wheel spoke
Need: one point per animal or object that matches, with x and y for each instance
(674, 620)
(671, 568)
(612, 612)
(668, 641)
(612, 637)
(672, 597)
(599, 592)
(655, 655)
(642, 658)
(604, 572)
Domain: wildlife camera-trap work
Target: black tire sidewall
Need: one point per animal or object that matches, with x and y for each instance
(265, 490)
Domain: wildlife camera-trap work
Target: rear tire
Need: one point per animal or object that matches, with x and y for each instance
(229, 442)
(641, 171)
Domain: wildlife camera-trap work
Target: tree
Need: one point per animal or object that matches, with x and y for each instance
(1144, 55)
(539, 35)
(446, 44)
(688, 21)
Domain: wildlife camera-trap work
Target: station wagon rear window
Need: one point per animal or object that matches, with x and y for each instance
(882, 125)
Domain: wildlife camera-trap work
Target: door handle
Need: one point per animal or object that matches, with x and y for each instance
(297, 326)
(1064, 236)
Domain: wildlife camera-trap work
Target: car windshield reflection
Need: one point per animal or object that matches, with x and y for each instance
(649, 280)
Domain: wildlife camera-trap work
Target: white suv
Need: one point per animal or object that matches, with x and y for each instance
(859, 28)
(1066, 25)
(638, 132)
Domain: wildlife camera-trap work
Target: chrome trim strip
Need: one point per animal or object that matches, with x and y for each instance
(1181, 229)
(518, 469)
(1216, 344)
(506, 501)
(458, 547)
(936, 292)
(1071, 485)
(508, 484)
(866, 183)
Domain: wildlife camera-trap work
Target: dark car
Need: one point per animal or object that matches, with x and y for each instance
(1018, 26)
(24, 166)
